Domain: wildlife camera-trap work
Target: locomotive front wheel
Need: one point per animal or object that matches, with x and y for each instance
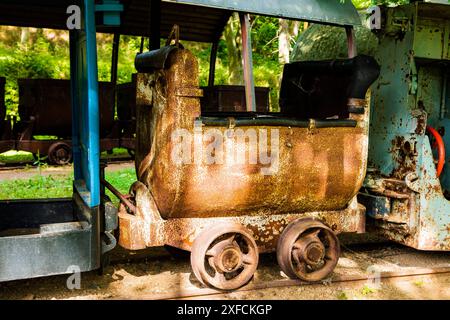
(224, 257)
(60, 153)
(308, 250)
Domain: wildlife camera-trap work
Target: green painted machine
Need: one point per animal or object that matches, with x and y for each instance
(407, 188)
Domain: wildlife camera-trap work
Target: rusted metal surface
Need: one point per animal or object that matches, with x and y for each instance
(225, 257)
(148, 229)
(405, 198)
(120, 196)
(45, 106)
(318, 170)
(60, 153)
(308, 250)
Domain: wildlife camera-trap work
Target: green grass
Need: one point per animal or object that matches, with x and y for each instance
(59, 186)
(121, 180)
(37, 187)
(366, 290)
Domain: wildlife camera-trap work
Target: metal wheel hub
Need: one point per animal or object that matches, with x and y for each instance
(312, 251)
(62, 154)
(229, 260)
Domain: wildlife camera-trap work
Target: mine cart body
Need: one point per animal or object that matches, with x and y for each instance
(45, 110)
(44, 106)
(301, 168)
(408, 183)
(319, 165)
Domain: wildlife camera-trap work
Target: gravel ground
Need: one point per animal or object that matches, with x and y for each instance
(155, 273)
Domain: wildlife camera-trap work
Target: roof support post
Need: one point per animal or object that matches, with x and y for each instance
(115, 58)
(85, 108)
(248, 62)
(212, 63)
(351, 42)
(155, 24)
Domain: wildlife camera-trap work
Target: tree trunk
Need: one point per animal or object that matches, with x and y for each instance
(284, 41)
(24, 35)
(233, 40)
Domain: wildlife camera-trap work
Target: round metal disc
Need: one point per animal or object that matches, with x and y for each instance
(210, 245)
(293, 265)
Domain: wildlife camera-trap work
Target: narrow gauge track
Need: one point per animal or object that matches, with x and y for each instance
(207, 293)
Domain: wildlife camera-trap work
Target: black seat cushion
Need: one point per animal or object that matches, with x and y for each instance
(321, 89)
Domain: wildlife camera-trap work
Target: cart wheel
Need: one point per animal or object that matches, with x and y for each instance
(224, 257)
(60, 153)
(308, 249)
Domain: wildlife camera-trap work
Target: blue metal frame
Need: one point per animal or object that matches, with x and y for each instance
(85, 109)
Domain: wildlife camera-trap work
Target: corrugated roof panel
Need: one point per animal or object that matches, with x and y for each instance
(328, 11)
(199, 20)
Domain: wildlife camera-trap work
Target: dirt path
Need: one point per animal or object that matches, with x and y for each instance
(63, 170)
(155, 273)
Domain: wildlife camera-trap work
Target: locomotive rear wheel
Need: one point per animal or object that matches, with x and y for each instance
(225, 257)
(60, 153)
(308, 250)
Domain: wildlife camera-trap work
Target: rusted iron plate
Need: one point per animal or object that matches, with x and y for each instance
(319, 169)
(148, 229)
(41, 99)
(42, 146)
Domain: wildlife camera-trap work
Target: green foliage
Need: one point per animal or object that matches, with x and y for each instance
(45, 54)
(366, 290)
(321, 42)
(362, 4)
(121, 180)
(59, 186)
(342, 296)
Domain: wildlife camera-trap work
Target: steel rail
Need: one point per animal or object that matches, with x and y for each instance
(199, 293)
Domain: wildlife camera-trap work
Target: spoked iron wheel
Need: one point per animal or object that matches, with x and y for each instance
(60, 153)
(308, 250)
(224, 257)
